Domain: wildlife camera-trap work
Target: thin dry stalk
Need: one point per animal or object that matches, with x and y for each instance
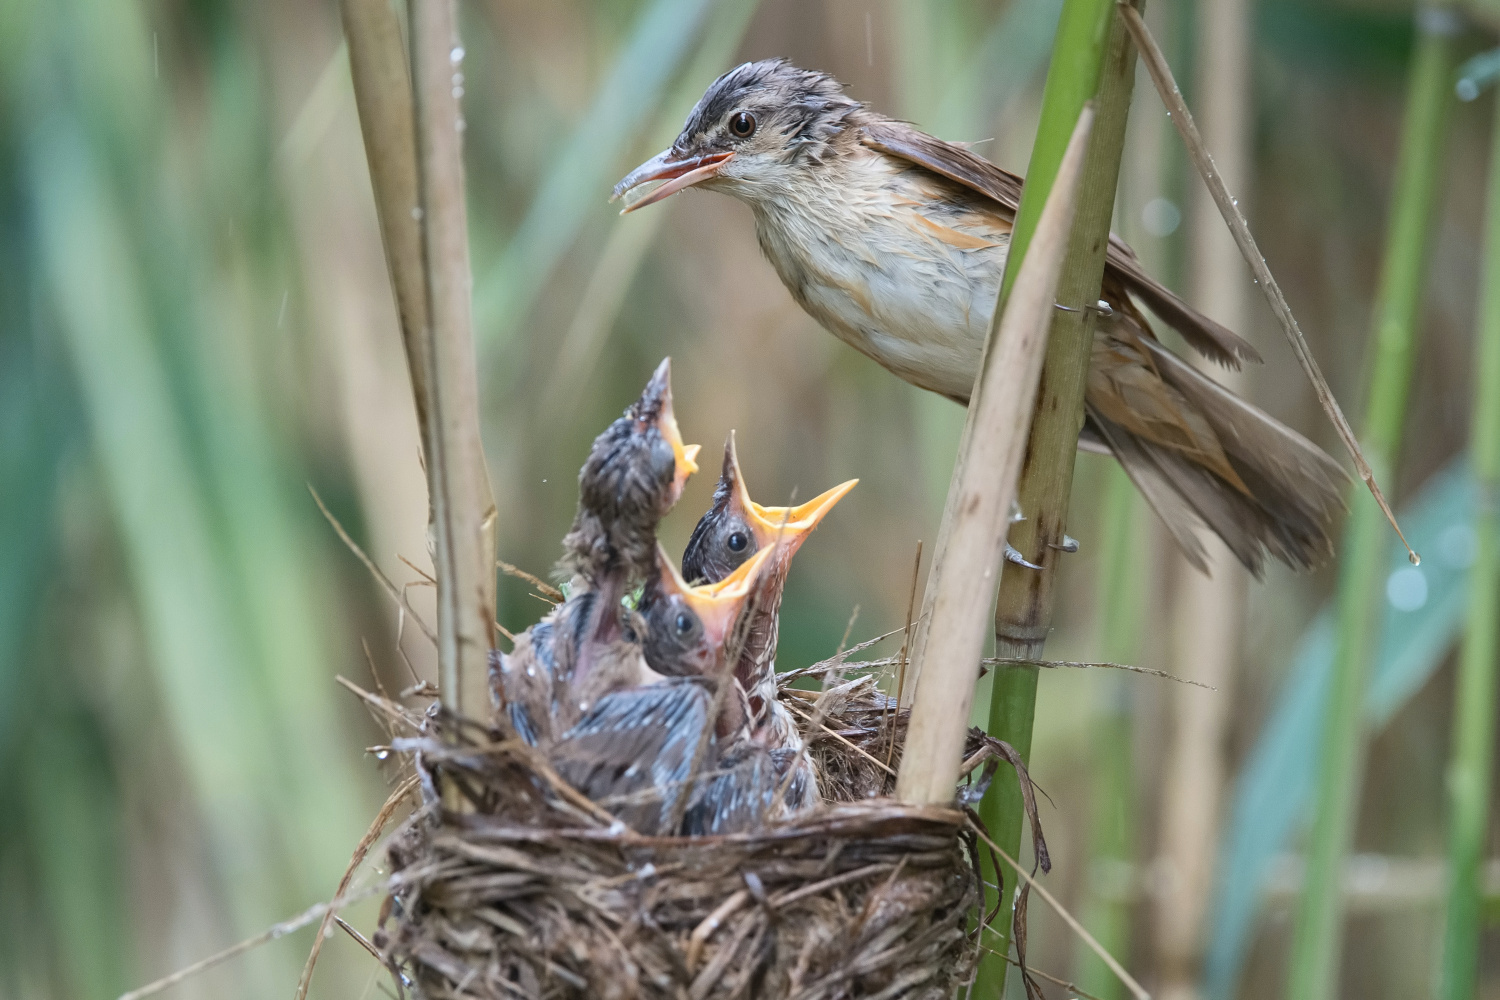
(911, 609)
(546, 589)
(382, 95)
(271, 933)
(463, 507)
(1177, 109)
(397, 595)
(361, 849)
(995, 441)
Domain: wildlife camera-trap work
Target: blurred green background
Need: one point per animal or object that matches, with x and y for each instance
(196, 325)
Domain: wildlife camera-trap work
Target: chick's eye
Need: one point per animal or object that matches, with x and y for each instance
(742, 124)
(738, 541)
(683, 622)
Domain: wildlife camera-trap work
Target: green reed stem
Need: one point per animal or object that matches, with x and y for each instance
(1474, 700)
(1092, 59)
(1316, 946)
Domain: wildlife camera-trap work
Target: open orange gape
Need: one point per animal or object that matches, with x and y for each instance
(652, 810)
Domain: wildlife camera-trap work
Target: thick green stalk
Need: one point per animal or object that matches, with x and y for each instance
(1092, 59)
(1316, 947)
(1112, 830)
(1474, 700)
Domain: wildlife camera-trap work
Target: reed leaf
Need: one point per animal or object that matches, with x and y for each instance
(1472, 765)
(1319, 927)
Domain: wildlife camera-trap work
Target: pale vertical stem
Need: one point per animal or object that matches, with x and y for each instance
(1023, 609)
(1472, 766)
(1208, 612)
(462, 505)
(382, 95)
(984, 482)
(1318, 940)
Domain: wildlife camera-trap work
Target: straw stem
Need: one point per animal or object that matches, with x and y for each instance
(984, 481)
(1023, 611)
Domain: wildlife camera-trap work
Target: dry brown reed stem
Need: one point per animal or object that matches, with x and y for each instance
(1068, 918)
(1239, 227)
(390, 588)
(382, 95)
(463, 508)
(984, 485)
(377, 827)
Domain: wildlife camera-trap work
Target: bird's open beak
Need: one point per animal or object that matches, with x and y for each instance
(717, 605)
(678, 174)
(783, 527)
(666, 425)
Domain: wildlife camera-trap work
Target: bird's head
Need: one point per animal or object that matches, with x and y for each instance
(754, 132)
(637, 467)
(736, 527)
(687, 627)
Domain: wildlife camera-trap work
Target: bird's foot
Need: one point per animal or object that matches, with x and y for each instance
(1069, 544)
(1013, 555)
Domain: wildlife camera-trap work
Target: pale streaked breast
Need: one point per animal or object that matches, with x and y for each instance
(895, 263)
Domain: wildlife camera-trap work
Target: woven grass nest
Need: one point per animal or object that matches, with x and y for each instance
(529, 890)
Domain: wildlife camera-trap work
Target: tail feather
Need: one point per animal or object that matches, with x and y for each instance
(1292, 492)
(1213, 340)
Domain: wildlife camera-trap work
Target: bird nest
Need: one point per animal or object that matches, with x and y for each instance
(511, 884)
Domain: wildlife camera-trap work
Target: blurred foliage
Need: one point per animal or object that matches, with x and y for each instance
(195, 323)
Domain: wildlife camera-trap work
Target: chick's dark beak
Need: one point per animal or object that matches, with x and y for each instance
(677, 171)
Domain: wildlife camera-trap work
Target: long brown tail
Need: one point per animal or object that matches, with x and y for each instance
(1203, 457)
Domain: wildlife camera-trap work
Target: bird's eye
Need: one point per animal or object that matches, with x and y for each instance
(738, 541)
(742, 124)
(684, 623)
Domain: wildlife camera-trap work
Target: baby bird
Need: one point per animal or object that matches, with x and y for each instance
(588, 646)
(634, 750)
(736, 528)
(634, 474)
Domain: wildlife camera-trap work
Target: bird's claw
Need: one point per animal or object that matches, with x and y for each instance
(1013, 555)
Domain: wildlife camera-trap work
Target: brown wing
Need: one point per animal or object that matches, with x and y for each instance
(1213, 340)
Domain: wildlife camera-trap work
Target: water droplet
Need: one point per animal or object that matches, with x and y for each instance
(531, 671)
(416, 212)
(1414, 558)
(1161, 217)
(458, 79)
(617, 827)
(647, 870)
(1406, 589)
(457, 55)
(458, 93)
(382, 754)
(460, 125)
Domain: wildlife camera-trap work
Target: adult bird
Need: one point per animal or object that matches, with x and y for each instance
(895, 242)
